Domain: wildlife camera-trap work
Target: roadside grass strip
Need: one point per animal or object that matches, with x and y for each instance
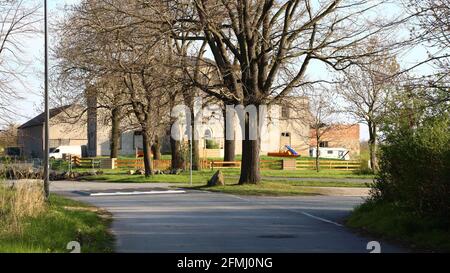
(137, 193)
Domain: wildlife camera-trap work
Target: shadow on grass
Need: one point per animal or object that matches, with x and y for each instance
(261, 189)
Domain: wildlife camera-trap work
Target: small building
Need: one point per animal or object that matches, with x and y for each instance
(340, 136)
(64, 130)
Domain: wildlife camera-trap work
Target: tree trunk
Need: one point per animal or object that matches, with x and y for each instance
(250, 172)
(177, 158)
(373, 146)
(156, 150)
(115, 133)
(229, 150)
(195, 145)
(317, 152)
(147, 154)
(229, 145)
(195, 155)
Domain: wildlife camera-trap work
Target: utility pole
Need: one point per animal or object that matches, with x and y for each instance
(190, 165)
(46, 111)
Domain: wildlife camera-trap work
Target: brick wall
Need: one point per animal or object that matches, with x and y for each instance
(341, 135)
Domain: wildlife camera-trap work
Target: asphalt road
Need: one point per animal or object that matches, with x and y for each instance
(212, 222)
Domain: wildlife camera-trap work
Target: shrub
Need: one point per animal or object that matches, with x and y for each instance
(212, 144)
(415, 168)
(364, 168)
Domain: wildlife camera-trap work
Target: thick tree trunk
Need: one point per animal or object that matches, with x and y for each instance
(115, 132)
(229, 145)
(229, 150)
(195, 155)
(156, 150)
(373, 146)
(147, 154)
(250, 171)
(177, 158)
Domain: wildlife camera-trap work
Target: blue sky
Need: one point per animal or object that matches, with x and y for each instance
(32, 92)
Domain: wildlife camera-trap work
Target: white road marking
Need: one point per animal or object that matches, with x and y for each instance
(136, 193)
(288, 209)
(321, 219)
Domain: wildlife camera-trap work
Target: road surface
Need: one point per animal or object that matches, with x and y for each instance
(198, 221)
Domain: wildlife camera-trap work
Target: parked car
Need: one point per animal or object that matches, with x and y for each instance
(334, 153)
(58, 152)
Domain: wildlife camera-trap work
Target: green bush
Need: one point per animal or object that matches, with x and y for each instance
(415, 168)
(212, 144)
(364, 168)
(59, 165)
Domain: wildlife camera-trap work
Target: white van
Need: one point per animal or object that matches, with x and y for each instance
(335, 153)
(57, 153)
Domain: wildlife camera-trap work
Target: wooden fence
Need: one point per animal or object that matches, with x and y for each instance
(160, 164)
(86, 162)
(165, 164)
(138, 163)
(263, 164)
(340, 165)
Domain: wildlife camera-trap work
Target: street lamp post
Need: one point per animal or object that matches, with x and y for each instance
(46, 111)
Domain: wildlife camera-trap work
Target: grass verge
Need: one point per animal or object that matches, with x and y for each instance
(265, 188)
(61, 222)
(200, 177)
(391, 222)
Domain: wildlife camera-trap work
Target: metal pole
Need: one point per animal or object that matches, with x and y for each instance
(47, 114)
(190, 167)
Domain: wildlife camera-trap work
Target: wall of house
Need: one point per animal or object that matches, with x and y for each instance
(271, 133)
(341, 136)
(64, 131)
(31, 141)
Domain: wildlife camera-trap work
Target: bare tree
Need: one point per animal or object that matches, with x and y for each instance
(101, 41)
(263, 49)
(323, 112)
(17, 21)
(8, 136)
(366, 90)
(429, 27)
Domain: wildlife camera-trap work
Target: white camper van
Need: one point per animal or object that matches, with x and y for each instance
(57, 153)
(335, 153)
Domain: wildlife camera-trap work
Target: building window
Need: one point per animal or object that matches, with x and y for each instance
(323, 144)
(330, 152)
(285, 134)
(208, 134)
(285, 112)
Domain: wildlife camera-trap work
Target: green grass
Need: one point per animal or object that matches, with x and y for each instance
(307, 173)
(265, 188)
(63, 221)
(119, 175)
(401, 225)
(200, 177)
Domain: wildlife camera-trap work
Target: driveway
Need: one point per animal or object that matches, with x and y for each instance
(198, 221)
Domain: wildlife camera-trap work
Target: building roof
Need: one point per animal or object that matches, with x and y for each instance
(40, 119)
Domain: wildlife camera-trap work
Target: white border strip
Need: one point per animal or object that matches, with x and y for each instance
(136, 193)
(321, 219)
